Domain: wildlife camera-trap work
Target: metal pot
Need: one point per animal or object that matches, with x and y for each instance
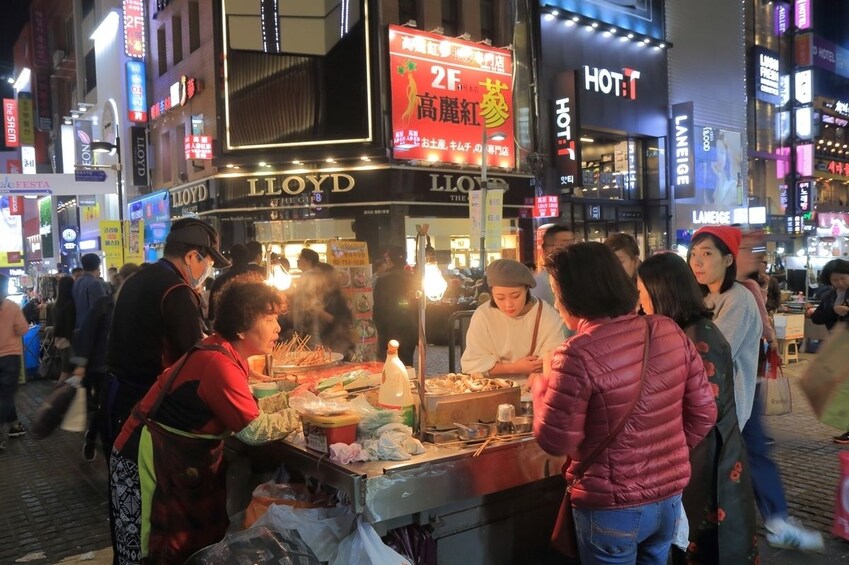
(473, 431)
(522, 424)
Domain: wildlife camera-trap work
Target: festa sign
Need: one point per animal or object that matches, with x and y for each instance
(445, 93)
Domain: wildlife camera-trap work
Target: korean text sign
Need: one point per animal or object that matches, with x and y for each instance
(444, 92)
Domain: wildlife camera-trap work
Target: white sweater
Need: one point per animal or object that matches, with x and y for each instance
(494, 337)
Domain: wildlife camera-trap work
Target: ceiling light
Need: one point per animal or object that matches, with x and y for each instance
(365, 158)
(630, 36)
(595, 25)
(646, 41)
(262, 163)
(613, 30)
(555, 13)
(229, 165)
(587, 140)
(662, 45)
(11, 80)
(549, 17)
(331, 160)
(296, 162)
(576, 19)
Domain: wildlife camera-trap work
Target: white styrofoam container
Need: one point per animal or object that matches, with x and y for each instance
(789, 326)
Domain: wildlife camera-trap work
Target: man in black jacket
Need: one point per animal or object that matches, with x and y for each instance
(396, 312)
(157, 318)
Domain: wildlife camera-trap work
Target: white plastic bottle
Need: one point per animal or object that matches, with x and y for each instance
(395, 392)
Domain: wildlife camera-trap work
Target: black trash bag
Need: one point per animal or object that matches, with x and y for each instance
(414, 542)
(52, 410)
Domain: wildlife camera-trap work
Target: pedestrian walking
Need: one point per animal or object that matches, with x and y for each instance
(13, 326)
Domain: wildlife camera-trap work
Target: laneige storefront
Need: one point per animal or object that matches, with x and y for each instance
(603, 113)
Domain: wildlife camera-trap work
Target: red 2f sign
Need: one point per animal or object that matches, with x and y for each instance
(134, 28)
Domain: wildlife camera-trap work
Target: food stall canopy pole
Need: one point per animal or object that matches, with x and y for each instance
(421, 246)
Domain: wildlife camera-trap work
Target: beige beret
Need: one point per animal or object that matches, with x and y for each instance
(507, 272)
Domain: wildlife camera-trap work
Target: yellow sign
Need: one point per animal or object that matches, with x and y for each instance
(134, 241)
(347, 253)
(112, 243)
(90, 213)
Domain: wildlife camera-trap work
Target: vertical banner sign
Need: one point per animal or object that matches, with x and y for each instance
(28, 166)
(494, 214)
(803, 197)
(134, 46)
(42, 99)
(82, 142)
(25, 119)
(40, 50)
(138, 147)
(10, 122)
(683, 154)
(567, 132)
(446, 93)
(11, 234)
(475, 203)
(134, 241)
(112, 243)
(802, 16)
(16, 205)
(782, 16)
(136, 92)
(45, 226)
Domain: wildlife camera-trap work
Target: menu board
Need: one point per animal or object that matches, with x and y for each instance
(351, 260)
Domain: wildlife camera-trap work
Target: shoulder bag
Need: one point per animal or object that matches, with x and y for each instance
(563, 537)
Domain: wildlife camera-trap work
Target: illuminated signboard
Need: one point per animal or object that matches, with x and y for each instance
(838, 168)
(615, 83)
(802, 14)
(28, 159)
(805, 123)
(546, 206)
(781, 13)
(805, 160)
(804, 86)
(567, 130)
(26, 119)
(445, 91)
(11, 235)
(803, 196)
(134, 28)
(683, 154)
(155, 211)
(10, 122)
(136, 92)
(767, 81)
(179, 94)
(198, 147)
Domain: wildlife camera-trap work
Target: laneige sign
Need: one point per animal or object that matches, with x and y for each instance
(683, 160)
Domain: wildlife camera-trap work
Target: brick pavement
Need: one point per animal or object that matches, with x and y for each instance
(54, 502)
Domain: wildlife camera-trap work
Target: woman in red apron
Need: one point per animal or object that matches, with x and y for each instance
(168, 495)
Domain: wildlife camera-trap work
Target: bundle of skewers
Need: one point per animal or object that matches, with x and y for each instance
(296, 353)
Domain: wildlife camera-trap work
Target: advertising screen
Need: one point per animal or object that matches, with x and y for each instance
(155, 210)
(445, 91)
(11, 238)
(718, 166)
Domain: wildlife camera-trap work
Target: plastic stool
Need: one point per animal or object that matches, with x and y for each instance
(789, 349)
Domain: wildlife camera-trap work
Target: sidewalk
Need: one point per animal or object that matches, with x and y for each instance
(54, 502)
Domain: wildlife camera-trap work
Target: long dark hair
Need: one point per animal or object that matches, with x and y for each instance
(730, 270)
(592, 282)
(63, 290)
(673, 289)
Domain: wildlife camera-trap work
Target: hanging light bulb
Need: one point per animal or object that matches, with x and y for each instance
(434, 283)
(279, 278)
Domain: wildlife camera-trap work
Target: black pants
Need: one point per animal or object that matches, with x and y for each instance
(94, 383)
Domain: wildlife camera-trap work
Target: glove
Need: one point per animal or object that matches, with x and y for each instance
(270, 427)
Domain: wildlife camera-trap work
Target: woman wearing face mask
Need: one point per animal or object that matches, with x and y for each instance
(512, 333)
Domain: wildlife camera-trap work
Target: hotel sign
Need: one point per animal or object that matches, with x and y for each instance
(567, 130)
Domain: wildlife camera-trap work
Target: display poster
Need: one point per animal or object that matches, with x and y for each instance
(494, 215)
(155, 210)
(11, 236)
(112, 243)
(45, 226)
(134, 241)
(446, 95)
(351, 260)
(718, 157)
(546, 206)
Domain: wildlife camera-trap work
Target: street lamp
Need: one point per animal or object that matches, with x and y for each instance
(497, 136)
(113, 149)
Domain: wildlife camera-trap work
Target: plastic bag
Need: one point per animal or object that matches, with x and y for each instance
(364, 547)
(775, 388)
(76, 418)
(321, 528)
(294, 495)
(53, 409)
(257, 545)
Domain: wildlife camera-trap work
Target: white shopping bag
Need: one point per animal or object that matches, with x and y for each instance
(76, 418)
(364, 547)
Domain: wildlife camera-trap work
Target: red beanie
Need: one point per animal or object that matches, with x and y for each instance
(729, 235)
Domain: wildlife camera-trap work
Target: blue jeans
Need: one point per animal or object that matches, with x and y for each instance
(10, 370)
(766, 481)
(639, 534)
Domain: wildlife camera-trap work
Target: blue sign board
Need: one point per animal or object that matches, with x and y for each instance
(155, 210)
(90, 175)
(136, 92)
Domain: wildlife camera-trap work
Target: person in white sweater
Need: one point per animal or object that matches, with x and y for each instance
(713, 258)
(513, 332)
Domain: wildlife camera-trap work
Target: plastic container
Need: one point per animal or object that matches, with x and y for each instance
(395, 392)
(261, 390)
(320, 432)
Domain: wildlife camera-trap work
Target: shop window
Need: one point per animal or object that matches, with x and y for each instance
(161, 51)
(194, 26)
(408, 10)
(165, 156)
(90, 71)
(488, 19)
(177, 38)
(450, 17)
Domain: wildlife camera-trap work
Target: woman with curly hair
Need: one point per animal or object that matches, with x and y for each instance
(167, 469)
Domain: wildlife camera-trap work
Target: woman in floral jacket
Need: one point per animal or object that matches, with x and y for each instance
(720, 490)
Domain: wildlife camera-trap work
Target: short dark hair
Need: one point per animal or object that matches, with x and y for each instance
(592, 283)
(528, 298)
(310, 255)
(673, 289)
(554, 230)
(730, 271)
(90, 262)
(241, 302)
(396, 254)
(240, 255)
(835, 266)
(254, 250)
(623, 242)
(76, 270)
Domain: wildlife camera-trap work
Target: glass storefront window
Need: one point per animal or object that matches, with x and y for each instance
(621, 168)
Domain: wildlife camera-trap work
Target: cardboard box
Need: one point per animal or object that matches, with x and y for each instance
(789, 326)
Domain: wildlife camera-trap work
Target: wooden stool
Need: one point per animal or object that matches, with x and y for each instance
(789, 349)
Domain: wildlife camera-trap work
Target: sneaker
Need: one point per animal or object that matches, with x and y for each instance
(89, 453)
(17, 430)
(790, 534)
(842, 439)
(769, 440)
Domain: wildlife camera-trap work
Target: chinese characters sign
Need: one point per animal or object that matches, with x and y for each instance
(180, 93)
(444, 93)
(198, 147)
(838, 168)
(134, 28)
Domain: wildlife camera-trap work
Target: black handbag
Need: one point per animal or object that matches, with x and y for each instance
(52, 410)
(564, 539)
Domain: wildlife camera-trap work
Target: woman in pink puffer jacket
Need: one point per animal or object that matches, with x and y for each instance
(628, 501)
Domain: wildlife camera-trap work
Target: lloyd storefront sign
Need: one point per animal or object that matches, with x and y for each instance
(340, 194)
(446, 95)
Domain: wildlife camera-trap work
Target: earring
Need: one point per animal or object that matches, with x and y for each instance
(240, 335)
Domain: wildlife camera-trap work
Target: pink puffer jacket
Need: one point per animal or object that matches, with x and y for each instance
(594, 377)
